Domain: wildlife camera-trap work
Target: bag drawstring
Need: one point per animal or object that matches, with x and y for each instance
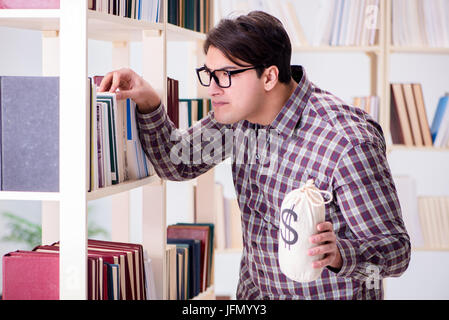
(314, 195)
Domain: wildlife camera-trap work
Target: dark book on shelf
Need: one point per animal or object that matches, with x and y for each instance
(29, 131)
(399, 120)
(194, 263)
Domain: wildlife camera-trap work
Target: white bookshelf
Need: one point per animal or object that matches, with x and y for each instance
(65, 35)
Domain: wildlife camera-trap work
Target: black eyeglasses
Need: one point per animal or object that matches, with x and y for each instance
(222, 77)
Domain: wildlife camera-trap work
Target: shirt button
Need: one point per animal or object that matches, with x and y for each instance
(261, 273)
(266, 298)
(254, 243)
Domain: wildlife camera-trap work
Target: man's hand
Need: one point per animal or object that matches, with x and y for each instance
(327, 245)
(132, 86)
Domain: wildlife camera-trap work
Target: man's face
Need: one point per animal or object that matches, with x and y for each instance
(242, 100)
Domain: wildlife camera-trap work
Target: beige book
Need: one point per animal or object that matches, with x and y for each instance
(422, 114)
(423, 209)
(444, 205)
(413, 114)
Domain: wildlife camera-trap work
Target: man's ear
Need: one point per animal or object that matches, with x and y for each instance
(271, 77)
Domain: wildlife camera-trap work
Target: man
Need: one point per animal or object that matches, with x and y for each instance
(312, 135)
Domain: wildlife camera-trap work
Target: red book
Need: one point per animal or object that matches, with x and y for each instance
(30, 276)
(27, 4)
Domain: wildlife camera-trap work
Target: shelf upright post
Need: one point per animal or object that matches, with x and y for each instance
(386, 70)
(50, 68)
(121, 201)
(73, 144)
(154, 220)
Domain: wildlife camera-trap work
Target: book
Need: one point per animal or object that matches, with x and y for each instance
(399, 121)
(27, 4)
(439, 120)
(413, 114)
(196, 232)
(422, 114)
(29, 131)
(406, 190)
(115, 271)
(194, 264)
(30, 276)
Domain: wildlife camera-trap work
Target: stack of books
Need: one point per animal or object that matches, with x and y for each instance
(116, 271)
(189, 256)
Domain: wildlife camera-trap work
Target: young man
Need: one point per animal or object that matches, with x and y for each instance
(315, 136)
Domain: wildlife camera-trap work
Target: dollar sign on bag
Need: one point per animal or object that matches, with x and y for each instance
(290, 236)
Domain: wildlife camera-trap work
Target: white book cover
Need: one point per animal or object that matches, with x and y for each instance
(406, 189)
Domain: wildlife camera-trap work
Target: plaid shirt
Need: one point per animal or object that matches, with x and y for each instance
(315, 136)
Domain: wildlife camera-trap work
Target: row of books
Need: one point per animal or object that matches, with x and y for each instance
(434, 220)
(408, 118)
(116, 154)
(420, 23)
(284, 10)
(147, 10)
(440, 124)
(352, 23)
(189, 259)
(190, 14)
(369, 104)
(184, 112)
(115, 271)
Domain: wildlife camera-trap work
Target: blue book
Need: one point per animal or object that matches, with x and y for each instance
(29, 133)
(439, 114)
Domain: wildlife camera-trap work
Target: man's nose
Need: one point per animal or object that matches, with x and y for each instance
(214, 89)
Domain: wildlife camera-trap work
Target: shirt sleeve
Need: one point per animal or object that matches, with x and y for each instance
(182, 154)
(375, 243)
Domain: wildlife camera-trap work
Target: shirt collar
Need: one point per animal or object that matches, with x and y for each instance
(287, 119)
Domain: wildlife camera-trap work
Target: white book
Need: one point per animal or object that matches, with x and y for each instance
(344, 22)
(406, 189)
(150, 286)
(324, 17)
(336, 24)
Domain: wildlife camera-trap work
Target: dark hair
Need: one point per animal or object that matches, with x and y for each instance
(257, 38)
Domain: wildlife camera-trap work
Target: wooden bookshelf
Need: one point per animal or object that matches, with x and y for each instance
(65, 35)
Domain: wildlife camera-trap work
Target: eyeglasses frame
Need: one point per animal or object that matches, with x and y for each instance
(230, 73)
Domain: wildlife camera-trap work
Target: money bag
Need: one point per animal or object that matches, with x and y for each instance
(302, 209)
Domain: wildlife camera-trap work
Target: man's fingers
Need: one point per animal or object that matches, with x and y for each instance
(115, 82)
(105, 83)
(124, 94)
(324, 226)
(324, 262)
(323, 249)
(323, 237)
